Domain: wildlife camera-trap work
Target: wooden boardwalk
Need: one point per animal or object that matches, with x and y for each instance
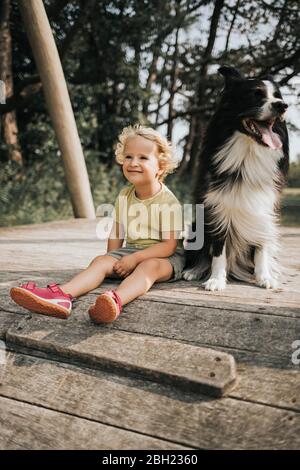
(146, 381)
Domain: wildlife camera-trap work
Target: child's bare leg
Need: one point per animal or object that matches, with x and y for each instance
(91, 277)
(143, 277)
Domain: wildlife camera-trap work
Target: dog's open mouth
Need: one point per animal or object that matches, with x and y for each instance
(262, 132)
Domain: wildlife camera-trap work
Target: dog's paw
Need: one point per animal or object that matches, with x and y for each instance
(215, 283)
(193, 274)
(266, 282)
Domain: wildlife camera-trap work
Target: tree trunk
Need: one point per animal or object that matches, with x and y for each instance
(187, 148)
(237, 5)
(202, 86)
(9, 120)
(172, 91)
(194, 161)
(160, 96)
(150, 80)
(280, 21)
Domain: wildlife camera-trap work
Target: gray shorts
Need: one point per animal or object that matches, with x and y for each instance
(177, 260)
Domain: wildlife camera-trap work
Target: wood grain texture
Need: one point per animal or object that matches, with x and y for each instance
(262, 378)
(212, 327)
(30, 427)
(160, 411)
(256, 326)
(168, 361)
(77, 244)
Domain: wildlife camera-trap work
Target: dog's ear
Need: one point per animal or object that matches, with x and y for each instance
(230, 74)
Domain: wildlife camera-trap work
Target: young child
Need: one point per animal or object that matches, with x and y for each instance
(151, 253)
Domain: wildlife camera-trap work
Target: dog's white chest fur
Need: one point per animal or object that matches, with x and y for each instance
(245, 209)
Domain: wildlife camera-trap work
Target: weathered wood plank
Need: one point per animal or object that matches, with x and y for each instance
(188, 298)
(263, 378)
(76, 236)
(83, 228)
(77, 255)
(269, 334)
(7, 319)
(209, 327)
(181, 292)
(266, 375)
(11, 278)
(246, 294)
(33, 253)
(168, 361)
(162, 298)
(269, 380)
(27, 426)
(155, 410)
(57, 229)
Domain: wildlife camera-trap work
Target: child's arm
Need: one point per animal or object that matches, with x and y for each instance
(115, 240)
(162, 249)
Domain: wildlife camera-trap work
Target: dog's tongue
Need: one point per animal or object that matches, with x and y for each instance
(270, 138)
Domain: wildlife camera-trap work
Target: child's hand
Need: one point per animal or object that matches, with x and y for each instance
(126, 265)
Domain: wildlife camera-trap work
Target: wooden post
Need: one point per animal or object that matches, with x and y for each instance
(59, 105)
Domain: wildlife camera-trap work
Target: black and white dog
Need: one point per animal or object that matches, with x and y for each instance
(243, 167)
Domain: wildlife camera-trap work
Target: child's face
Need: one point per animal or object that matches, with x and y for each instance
(141, 164)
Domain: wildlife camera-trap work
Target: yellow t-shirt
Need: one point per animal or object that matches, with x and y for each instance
(145, 220)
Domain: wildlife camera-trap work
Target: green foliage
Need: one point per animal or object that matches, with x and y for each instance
(294, 175)
(120, 58)
(290, 207)
(38, 192)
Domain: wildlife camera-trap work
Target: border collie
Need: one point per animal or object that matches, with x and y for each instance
(243, 167)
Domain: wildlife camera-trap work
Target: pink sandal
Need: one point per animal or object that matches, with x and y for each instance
(50, 300)
(107, 307)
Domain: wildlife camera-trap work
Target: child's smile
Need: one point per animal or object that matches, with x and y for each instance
(141, 166)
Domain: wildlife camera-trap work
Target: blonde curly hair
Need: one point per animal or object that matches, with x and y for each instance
(166, 157)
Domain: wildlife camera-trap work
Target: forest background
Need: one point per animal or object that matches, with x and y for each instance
(128, 61)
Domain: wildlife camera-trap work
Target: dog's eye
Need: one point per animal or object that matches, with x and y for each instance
(277, 95)
(259, 93)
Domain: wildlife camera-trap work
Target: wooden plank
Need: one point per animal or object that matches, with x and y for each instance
(189, 293)
(236, 293)
(7, 319)
(269, 334)
(268, 380)
(26, 426)
(31, 254)
(156, 410)
(76, 236)
(85, 231)
(262, 378)
(12, 278)
(188, 298)
(76, 256)
(55, 230)
(175, 293)
(164, 360)
(246, 294)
